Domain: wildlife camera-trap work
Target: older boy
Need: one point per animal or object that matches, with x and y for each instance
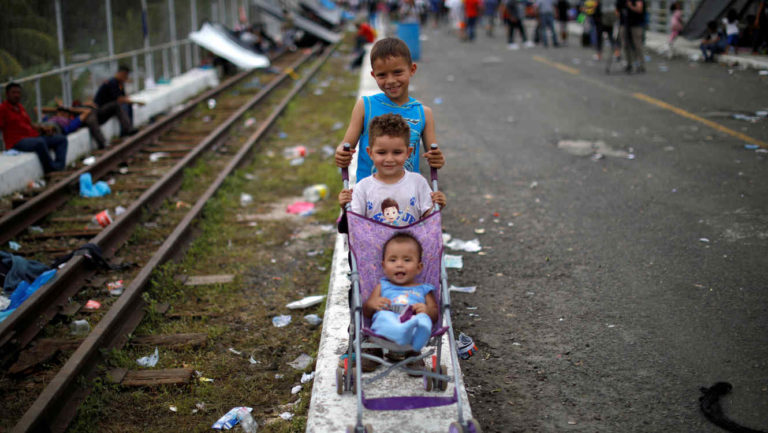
(392, 69)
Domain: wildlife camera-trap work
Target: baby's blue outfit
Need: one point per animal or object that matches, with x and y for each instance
(377, 105)
(414, 331)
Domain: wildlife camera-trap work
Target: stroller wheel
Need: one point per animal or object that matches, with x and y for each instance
(339, 380)
(427, 383)
(455, 427)
(442, 384)
(368, 428)
(473, 426)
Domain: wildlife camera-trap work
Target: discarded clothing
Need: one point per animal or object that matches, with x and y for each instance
(95, 257)
(15, 269)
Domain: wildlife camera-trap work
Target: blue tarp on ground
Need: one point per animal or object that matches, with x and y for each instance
(24, 290)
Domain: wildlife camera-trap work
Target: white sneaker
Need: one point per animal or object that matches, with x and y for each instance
(513, 47)
(529, 44)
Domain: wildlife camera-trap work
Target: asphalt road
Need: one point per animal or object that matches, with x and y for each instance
(600, 307)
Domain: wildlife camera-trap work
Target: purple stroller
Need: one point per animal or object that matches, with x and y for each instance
(366, 240)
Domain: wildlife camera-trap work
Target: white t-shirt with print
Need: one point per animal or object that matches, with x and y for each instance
(411, 193)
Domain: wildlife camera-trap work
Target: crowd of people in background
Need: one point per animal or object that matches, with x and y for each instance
(622, 24)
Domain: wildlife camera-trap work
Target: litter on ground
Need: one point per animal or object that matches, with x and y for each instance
(301, 362)
(296, 389)
(15, 246)
(303, 208)
(245, 199)
(229, 419)
(315, 193)
(157, 156)
(307, 302)
(307, 377)
(454, 261)
(472, 246)
(313, 319)
(149, 361)
(468, 289)
(115, 288)
(79, 327)
(92, 305)
(281, 320)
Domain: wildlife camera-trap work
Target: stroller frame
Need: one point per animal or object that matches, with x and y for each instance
(435, 380)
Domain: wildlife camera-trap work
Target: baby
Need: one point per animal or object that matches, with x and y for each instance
(401, 262)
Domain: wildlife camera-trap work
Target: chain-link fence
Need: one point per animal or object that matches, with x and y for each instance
(65, 49)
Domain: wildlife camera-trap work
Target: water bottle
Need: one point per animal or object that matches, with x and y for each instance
(315, 193)
(246, 420)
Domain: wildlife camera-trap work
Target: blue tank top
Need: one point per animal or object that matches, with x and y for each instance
(401, 296)
(377, 105)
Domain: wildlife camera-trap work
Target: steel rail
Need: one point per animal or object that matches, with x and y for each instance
(14, 222)
(57, 404)
(21, 327)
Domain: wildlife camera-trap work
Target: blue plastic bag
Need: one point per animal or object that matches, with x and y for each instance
(89, 189)
(24, 290)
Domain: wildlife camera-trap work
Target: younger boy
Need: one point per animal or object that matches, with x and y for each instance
(392, 187)
(392, 69)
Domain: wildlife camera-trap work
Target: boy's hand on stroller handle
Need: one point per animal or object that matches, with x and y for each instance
(435, 157)
(438, 197)
(345, 196)
(344, 153)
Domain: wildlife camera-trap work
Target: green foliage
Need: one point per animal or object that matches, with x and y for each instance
(26, 38)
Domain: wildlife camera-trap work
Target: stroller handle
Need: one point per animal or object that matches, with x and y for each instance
(433, 170)
(345, 170)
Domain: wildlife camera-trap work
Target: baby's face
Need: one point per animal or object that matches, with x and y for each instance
(401, 262)
(390, 214)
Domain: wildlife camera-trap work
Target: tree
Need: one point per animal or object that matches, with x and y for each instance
(25, 41)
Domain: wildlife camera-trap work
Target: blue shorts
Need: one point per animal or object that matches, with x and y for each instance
(733, 40)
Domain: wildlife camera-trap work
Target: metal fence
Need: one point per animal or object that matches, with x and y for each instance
(87, 34)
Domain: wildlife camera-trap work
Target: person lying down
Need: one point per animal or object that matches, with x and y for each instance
(398, 295)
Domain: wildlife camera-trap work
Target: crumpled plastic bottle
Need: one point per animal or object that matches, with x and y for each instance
(247, 422)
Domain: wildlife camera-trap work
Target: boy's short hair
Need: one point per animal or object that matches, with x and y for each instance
(392, 125)
(402, 237)
(390, 47)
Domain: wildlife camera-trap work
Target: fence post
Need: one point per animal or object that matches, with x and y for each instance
(166, 69)
(193, 27)
(135, 69)
(38, 101)
(222, 13)
(149, 66)
(110, 34)
(66, 85)
(233, 13)
(176, 58)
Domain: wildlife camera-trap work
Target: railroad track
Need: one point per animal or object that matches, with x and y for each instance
(57, 403)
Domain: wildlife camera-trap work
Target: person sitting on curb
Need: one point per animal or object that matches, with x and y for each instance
(713, 43)
(111, 100)
(20, 134)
